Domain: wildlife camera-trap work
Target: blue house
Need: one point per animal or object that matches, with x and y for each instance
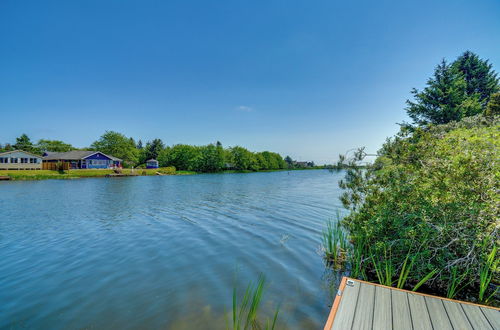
(152, 163)
(83, 159)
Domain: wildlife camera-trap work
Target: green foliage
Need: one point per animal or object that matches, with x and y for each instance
(54, 146)
(245, 315)
(456, 90)
(153, 149)
(487, 271)
(24, 143)
(436, 188)
(335, 244)
(493, 107)
(117, 145)
(242, 159)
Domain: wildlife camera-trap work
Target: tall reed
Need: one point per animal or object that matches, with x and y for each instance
(486, 274)
(335, 244)
(246, 313)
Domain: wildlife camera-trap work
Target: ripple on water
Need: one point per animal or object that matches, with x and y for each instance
(162, 252)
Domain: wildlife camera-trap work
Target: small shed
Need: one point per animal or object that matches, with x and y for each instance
(152, 163)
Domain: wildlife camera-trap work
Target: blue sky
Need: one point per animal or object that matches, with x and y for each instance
(309, 79)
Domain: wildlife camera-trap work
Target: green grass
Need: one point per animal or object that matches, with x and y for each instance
(335, 244)
(245, 314)
(73, 174)
(486, 275)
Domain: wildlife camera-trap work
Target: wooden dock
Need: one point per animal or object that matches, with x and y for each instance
(362, 305)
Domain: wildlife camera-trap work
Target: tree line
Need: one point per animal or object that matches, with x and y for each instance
(206, 158)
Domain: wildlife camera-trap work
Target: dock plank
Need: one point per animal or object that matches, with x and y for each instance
(493, 316)
(382, 314)
(437, 312)
(457, 316)
(401, 318)
(419, 314)
(345, 314)
(363, 316)
(363, 305)
(476, 317)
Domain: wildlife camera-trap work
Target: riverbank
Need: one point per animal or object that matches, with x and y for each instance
(102, 173)
(75, 174)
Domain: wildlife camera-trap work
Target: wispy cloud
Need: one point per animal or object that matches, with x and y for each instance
(244, 108)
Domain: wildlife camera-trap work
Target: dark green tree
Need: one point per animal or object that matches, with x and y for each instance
(459, 90)
(153, 148)
(479, 76)
(24, 143)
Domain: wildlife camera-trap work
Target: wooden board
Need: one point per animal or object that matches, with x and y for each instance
(361, 305)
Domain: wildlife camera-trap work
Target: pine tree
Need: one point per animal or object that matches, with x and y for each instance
(479, 76)
(493, 107)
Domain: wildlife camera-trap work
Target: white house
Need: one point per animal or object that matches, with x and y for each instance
(20, 160)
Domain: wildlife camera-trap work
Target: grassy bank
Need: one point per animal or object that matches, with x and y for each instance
(74, 174)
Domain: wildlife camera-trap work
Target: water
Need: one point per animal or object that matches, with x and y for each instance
(163, 252)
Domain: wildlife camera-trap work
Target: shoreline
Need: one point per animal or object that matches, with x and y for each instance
(36, 175)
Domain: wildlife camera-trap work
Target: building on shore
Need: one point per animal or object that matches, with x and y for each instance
(81, 159)
(152, 163)
(20, 160)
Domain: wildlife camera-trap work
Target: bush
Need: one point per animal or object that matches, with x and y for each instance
(170, 170)
(432, 194)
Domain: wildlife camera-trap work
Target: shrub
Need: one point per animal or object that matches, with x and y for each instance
(170, 170)
(432, 194)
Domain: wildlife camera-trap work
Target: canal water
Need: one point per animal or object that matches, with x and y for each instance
(164, 252)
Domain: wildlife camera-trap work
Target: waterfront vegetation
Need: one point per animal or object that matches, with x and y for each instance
(425, 215)
(86, 173)
(245, 313)
(211, 158)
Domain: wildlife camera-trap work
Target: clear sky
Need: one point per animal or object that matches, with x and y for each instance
(309, 79)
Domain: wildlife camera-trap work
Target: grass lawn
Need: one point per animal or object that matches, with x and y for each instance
(72, 174)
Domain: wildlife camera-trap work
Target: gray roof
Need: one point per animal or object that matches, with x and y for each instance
(13, 151)
(74, 155)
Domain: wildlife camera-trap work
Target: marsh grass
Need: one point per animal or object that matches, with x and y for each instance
(486, 274)
(335, 244)
(245, 314)
(455, 282)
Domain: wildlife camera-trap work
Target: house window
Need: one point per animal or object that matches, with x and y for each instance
(13, 160)
(33, 160)
(24, 160)
(4, 160)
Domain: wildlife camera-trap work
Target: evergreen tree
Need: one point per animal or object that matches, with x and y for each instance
(459, 90)
(443, 100)
(139, 144)
(154, 148)
(478, 74)
(24, 143)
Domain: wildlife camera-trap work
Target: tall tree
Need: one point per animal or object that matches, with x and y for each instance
(54, 146)
(443, 100)
(153, 148)
(24, 143)
(117, 145)
(455, 91)
(479, 76)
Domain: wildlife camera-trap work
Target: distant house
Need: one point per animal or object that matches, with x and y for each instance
(152, 163)
(83, 159)
(20, 160)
